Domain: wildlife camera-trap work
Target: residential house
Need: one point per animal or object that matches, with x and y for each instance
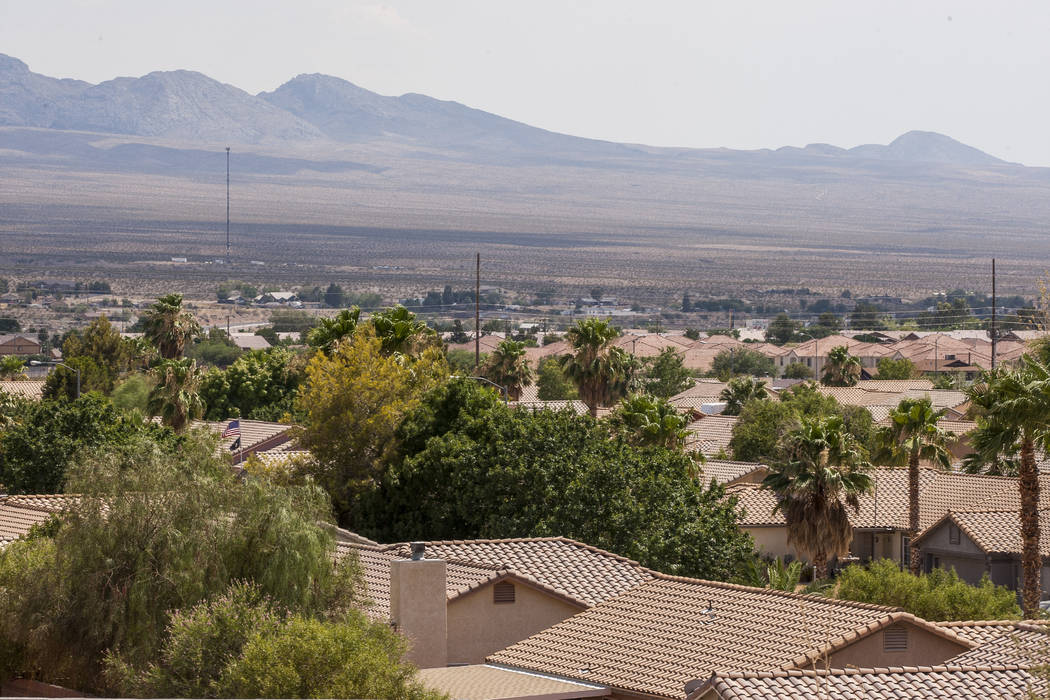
(881, 525)
(19, 513)
(955, 681)
(729, 472)
(18, 344)
(485, 682)
(256, 436)
(710, 435)
(249, 341)
(980, 542)
(669, 631)
(492, 593)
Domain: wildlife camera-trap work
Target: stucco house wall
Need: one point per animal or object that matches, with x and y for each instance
(478, 626)
(924, 649)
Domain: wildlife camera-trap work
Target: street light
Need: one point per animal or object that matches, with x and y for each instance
(487, 381)
(37, 363)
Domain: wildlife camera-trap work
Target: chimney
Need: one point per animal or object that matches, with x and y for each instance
(418, 607)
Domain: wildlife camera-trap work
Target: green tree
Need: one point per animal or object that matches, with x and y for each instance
(739, 391)
(645, 421)
(333, 296)
(1014, 405)
(11, 367)
(841, 368)
(215, 349)
(829, 321)
(153, 532)
(600, 371)
(821, 478)
(474, 468)
(169, 327)
(551, 382)
(692, 333)
(330, 331)
(261, 384)
(292, 321)
(740, 361)
(867, 316)
(175, 396)
(101, 343)
(913, 435)
(758, 431)
(937, 596)
(401, 332)
(42, 439)
(352, 402)
(797, 370)
(459, 335)
(132, 394)
(896, 369)
(781, 329)
(665, 375)
(508, 367)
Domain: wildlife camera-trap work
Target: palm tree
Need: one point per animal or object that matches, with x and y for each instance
(821, 476)
(739, 391)
(1014, 405)
(600, 371)
(176, 397)
(841, 368)
(169, 327)
(913, 435)
(508, 367)
(647, 421)
(400, 332)
(329, 331)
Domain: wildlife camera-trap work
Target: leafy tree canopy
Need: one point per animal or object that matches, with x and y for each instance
(938, 595)
(551, 382)
(738, 361)
(471, 467)
(261, 385)
(664, 376)
(896, 369)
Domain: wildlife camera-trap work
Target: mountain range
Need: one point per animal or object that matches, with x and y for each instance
(187, 106)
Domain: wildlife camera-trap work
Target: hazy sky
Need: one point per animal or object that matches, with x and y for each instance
(690, 73)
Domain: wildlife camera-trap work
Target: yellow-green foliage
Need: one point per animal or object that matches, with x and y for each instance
(353, 400)
(939, 595)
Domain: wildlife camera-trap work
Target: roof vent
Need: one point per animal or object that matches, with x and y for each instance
(419, 550)
(895, 638)
(503, 592)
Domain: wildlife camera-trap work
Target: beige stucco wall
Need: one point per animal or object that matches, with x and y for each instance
(924, 649)
(418, 609)
(771, 541)
(478, 627)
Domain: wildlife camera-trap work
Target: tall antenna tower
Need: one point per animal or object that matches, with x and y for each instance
(227, 205)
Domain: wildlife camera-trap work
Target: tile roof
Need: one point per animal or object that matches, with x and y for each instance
(710, 434)
(19, 513)
(1022, 643)
(484, 682)
(26, 388)
(661, 634)
(995, 531)
(723, 470)
(576, 406)
(895, 384)
(375, 566)
(981, 631)
(935, 682)
(577, 571)
(253, 432)
(887, 504)
(701, 389)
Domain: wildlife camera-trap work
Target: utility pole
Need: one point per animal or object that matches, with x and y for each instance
(994, 332)
(477, 314)
(227, 205)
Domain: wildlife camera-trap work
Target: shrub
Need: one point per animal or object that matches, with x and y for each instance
(939, 595)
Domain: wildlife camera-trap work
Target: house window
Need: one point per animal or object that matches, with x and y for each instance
(895, 638)
(906, 551)
(953, 534)
(503, 592)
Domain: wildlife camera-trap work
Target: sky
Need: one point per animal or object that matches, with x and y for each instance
(695, 73)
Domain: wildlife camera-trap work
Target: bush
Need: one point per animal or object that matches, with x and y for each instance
(939, 595)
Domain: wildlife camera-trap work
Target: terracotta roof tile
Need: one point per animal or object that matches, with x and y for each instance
(981, 631)
(577, 571)
(723, 470)
(887, 505)
(661, 634)
(1021, 643)
(938, 682)
(483, 682)
(253, 432)
(710, 434)
(996, 531)
(27, 388)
